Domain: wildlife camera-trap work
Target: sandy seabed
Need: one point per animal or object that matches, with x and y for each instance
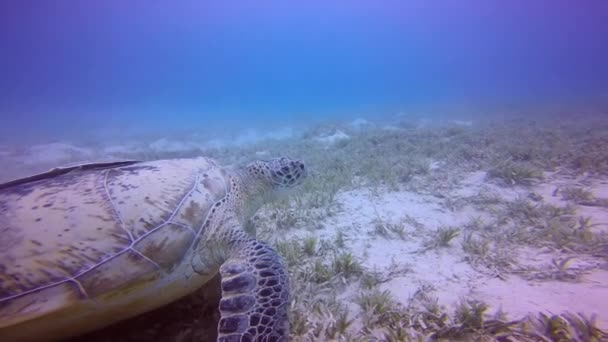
(392, 229)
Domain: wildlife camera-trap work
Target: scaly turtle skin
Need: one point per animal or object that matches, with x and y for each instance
(85, 246)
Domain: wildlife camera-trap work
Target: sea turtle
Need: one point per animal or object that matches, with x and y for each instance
(84, 246)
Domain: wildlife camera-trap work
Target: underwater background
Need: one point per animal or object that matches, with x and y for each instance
(457, 150)
(72, 69)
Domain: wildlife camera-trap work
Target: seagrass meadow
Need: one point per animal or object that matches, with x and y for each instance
(409, 230)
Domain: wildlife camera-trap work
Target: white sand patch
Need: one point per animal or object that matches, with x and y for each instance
(407, 123)
(250, 137)
(519, 297)
(443, 269)
(55, 153)
(446, 270)
(166, 145)
(450, 278)
(215, 144)
(436, 165)
(466, 123)
(280, 134)
(392, 128)
(476, 183)
(331, 139)
(555, 183)
(123, 149)
(5, 151)
(549, 189)
(359, 124)
(600, 188)
(361, 207)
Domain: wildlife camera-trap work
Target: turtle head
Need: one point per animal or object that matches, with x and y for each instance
(264, 181)
(268, 180)
(278, 174)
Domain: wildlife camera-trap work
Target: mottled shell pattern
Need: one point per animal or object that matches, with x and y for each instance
(70, 235)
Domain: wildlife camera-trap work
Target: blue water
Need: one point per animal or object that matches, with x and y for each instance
(72, 67)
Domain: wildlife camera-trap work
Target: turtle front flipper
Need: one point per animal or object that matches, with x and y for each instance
(255, 295)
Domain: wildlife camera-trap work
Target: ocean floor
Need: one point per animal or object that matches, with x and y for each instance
(410, 231)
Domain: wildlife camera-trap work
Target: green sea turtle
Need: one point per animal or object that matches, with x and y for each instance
(84, 246)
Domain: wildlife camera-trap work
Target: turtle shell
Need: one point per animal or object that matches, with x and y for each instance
(88, 232)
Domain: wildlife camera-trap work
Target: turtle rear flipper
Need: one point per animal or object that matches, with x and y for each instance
(255, 295)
